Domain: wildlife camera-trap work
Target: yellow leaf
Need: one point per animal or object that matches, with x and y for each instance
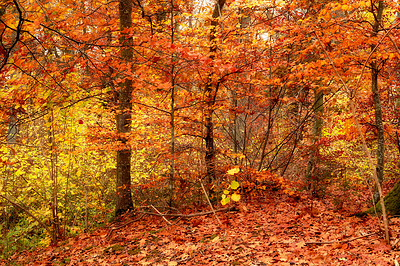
(225, 201)
(215, 239)
(233, 171)
(234, 184)
(19, 172)
(235, 197)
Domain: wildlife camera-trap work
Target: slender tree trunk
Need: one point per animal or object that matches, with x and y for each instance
(236, 131)
(377, 105)
(379, 126)
(209, 136)
(317, 133)
(123, 186)
(266, 137)
(235, 127)
(53, 177)
(210, 93)
(172, 113)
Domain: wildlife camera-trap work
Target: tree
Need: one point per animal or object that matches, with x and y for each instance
(123, 117)
(376, 66)
(210, 94)
(313, 162)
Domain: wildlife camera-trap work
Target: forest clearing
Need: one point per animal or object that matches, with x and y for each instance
(242, 132)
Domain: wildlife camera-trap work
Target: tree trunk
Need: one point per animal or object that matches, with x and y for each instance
(172, 112)
(379, 126)
(210, 93)
(377, 105)
(12, 128)
(317, 133)
(54, 180)
(123, 184)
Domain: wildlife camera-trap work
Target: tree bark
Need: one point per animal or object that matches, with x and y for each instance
(210, 93)
(123, 183)
(377, 106)
(172, 112)
(317, 133)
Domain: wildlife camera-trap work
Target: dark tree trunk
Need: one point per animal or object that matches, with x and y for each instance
(210, 93)
(123, 184)
(209, 137)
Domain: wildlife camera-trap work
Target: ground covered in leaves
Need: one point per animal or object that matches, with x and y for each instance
(274, 229)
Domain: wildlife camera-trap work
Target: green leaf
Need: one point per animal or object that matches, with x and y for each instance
(226, 200)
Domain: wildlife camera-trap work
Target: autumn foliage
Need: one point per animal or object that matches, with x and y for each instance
(160, 108)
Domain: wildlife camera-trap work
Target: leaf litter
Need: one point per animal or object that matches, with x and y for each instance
(274, 229)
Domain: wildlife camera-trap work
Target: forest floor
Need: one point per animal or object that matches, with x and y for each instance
(274, 229)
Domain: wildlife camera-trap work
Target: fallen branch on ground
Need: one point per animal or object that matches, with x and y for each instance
(209, 202)
(186, 215)
(123, 225)
(167, 214)
(161, 214)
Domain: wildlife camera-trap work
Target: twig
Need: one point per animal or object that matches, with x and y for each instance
(339, 241)
(123, 225)
(187, 215)
(209, 202)
(162, 215)
(15, 204)
(159, 207)
(395, 243)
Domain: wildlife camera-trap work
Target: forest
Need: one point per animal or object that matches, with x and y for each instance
(200, 132)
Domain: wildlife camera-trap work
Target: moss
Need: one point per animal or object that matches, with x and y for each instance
(392, 202)
(114, 248)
